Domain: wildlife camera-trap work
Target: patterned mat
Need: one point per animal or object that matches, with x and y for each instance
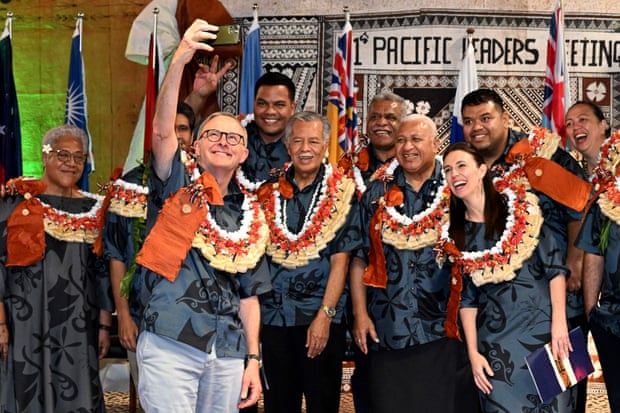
(118, 402)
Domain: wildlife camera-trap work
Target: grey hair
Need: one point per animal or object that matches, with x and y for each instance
(307, 116)
(51, 136)
(417, 116)
(391, 97)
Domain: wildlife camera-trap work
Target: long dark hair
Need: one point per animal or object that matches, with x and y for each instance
(495, 207)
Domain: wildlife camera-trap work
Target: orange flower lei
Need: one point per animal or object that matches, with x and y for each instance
(517, 243)
(544, 142)
(127, 199)
(65, 226)
(234, 251)
(420, 230)
(330, 213)
(607, 178)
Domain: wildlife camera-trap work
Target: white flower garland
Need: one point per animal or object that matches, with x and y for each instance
(495, 265)
(359, 180)
(246, 221)
(405, 220)
(245, 182)
(279, 220)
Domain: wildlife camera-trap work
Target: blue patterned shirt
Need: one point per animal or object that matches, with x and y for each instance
(411, 310)
(557, 216)
(298, 293)
(262, 157)
(118, 241)
(201, 307)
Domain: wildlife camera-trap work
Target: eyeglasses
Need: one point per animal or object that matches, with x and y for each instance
(65, 156)
(214, 135)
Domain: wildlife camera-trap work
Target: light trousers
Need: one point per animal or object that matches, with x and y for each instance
(175, 377)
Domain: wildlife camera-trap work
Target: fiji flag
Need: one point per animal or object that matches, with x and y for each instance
(468, 82)
(10, 134)
(342, 95)
(252, 67)
(557, 92)
(76, 108)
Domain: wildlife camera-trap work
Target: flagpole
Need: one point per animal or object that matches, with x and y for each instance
(470, 35)
(255, 11)
(9, 23)
(80, 17)
(347, 15)
(155, 16)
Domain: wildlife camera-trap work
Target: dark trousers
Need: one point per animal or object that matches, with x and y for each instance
(359, 382)
(290, 373)
(607, 346)
(432, 377)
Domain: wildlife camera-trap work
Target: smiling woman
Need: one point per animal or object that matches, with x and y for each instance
(52, 286)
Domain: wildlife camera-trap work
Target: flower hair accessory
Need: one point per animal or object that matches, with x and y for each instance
(46, 149)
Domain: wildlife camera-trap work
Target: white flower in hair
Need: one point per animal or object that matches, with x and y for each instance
(46, 149)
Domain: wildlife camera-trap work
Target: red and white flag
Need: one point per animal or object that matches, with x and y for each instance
(557, 91)
(341, 103)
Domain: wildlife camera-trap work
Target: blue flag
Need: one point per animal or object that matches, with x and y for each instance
(76, 108)
(468, 82)
(10, 134)
(252, 68)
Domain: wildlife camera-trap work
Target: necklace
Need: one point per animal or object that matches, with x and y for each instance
(420, 230)
(516, 244)
(327, 215)
(66, 226)
(234, 251)
(319, 188)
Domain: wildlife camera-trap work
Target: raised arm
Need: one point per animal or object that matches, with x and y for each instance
(164, 138)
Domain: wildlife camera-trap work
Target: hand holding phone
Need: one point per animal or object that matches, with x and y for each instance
(228, 35)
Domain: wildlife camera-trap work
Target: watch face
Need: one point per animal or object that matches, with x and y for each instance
(331, 311)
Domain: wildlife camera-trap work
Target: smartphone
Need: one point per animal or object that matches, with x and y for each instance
(228, 35)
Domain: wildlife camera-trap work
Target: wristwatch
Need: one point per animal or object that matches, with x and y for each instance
(254, 357)
(330, 311)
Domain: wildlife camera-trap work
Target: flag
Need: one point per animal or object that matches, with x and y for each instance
(142, 136)
(342, 96)
(557, 92)
(468, 82)
(252, 67)
(10, 133)
(76, 112)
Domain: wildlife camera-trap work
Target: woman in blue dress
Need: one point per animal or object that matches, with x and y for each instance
(513, 279)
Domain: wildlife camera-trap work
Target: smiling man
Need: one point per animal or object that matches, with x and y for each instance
(274, 104)
(202, 263)
(314, 227)
(399, 292)
(486, 128)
